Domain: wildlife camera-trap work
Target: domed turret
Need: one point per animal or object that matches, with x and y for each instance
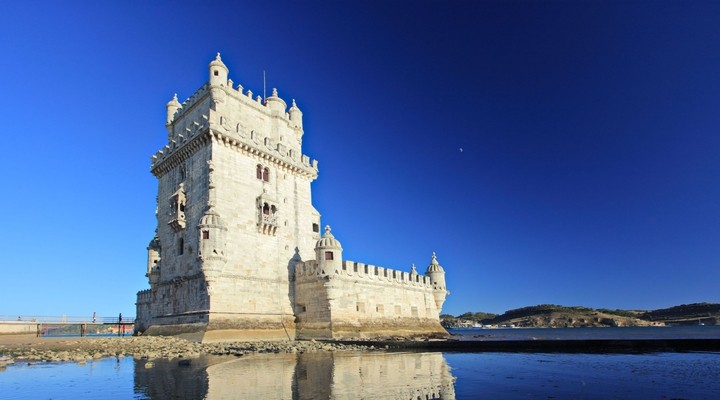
(211, 219)
(295, 115)
(436, 273)
(211, 234)
(328, 252)
(275, 103)
(218, 72)
(153, 259)
(172, 107)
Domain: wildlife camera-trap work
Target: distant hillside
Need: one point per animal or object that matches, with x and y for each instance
(552, 315)
(687, 314)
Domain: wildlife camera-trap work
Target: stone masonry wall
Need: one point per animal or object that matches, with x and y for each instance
(364, 301)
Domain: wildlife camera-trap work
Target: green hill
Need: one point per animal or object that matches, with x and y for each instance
(552, 315)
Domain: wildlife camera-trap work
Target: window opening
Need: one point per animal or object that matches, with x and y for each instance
(259, 171)
(266, 174)
(329, 255)
(206, 235)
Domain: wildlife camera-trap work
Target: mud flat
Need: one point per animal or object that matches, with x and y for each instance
(14, 348)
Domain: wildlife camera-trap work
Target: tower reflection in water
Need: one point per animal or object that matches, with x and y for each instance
(322, 375)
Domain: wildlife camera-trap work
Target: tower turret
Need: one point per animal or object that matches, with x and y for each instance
(328, 252)
(295, 115)
(153, 258)
(275, 103)
(436, 273)
(172, 107)
(218, 72)
(211, 234)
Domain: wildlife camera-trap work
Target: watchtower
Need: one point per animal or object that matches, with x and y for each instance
(234, 213)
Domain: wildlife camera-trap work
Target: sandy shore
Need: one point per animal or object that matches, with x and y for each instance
(29, 348)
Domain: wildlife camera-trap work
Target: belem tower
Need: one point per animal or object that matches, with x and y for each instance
(238, 251)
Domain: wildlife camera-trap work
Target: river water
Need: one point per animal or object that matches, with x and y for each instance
(382, 375)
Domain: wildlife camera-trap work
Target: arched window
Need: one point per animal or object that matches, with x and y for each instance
(266, 174)
(259, 171)
(266, 209)
(273, 209)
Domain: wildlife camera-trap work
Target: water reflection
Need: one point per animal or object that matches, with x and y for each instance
(301, 376)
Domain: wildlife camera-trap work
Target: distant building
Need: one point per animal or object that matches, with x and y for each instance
(238, 252)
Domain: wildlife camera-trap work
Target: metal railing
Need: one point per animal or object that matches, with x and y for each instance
(63, 319)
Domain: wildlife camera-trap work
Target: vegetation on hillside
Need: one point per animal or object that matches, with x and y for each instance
(684, 312)
(471, 317)
(552, 315)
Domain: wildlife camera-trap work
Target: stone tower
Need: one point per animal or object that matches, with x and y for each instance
(237, 252)
(234, 213)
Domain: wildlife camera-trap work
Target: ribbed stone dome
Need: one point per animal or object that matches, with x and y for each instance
(434, 266)
(174, 102)
(328, 241)
(218, 62)
(211, 218)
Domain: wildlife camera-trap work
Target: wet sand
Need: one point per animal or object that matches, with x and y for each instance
(79, 349)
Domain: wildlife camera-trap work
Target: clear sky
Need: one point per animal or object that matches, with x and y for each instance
(549, 152)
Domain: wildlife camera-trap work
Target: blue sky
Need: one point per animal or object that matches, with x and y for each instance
(590, 134)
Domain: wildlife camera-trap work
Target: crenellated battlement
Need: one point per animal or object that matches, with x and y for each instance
(190, 102)
(232, 115)
(199, 132)
(170, 156)
(361, 271)
(144, 296)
